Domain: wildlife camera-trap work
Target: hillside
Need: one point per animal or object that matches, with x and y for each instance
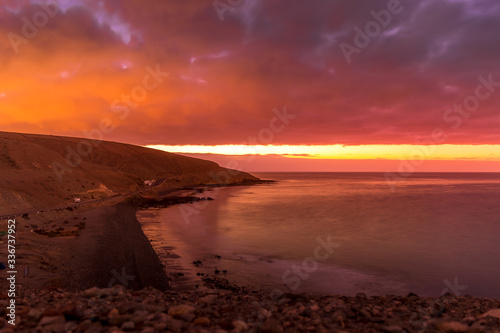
(41, 171)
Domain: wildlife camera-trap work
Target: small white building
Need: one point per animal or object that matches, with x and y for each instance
(77, 200)
(148, 182)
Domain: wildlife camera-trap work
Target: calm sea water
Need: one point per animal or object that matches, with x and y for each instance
(435, 233)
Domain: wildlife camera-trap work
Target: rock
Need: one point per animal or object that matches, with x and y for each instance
(174, 325)
(51, 313)
(226, 324)
(34, 315)
(479, 325)
(202, 321)
(208, 299)
(271, 325)
(377, 319)
(339, 316)
(159, 317)
(113, 313)
(22, 310)
(363, 314)
(84, 325)
(492, 313)
(97, 328)
(240, 326)
(130, 307)
(71, 313)
(179, 310)
(128, 326)
(361, 296)
(118, 320)
(117, 289)
(70, 326)
(306, 312)
(51, 320)
(411, 297)
(52, 324)
(7, 330)
(335, 303)
(392, 329)
(160, 327)
(139, 317)
(115, 329)
(91, 292)
(451, 326)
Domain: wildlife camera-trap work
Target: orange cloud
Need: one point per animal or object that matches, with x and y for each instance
(226, 77)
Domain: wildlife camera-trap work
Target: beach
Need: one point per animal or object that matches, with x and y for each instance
(424, 238)
(109, 279)
(150, 310)
(113, 243)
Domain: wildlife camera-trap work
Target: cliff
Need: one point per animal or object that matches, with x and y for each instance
(41, 171)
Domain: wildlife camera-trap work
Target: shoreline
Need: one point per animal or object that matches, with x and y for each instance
(114, 250)
(132, 260)
(94, 299)
(182, 272)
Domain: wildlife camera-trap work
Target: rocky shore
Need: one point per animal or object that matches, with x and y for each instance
(117, 309)
(113, 254)
(127, 290)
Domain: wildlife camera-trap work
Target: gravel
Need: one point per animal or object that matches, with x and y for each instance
(149, 310)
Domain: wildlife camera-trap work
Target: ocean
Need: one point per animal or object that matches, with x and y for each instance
(340, 233)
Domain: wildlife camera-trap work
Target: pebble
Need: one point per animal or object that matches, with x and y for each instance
(239, 310)
(452, 326)
(239, 325)
(203, 321)
(148, 330)
(271, 325)
(113, 313)
(128, 326)
(392, 329)
(492, 313)
(52, 324)
(51, 320)
(91, 292)
(34, 315)
(180, 310)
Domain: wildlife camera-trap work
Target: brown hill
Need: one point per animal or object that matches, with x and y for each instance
(41, 171)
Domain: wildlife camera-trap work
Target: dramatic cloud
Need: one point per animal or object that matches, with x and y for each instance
(226, 76)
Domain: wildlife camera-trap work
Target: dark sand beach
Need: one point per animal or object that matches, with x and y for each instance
(113, 242)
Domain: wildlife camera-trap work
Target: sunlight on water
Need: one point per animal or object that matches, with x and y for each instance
(433, 229)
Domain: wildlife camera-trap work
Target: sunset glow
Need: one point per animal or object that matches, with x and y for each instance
(390, 152)
(250, 165)
(179, 77)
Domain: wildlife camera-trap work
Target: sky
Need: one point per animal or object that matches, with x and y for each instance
(264, 85)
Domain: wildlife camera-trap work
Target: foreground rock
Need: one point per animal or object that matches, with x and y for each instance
(149, 310)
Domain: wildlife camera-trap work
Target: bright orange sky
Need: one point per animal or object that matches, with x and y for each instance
(271, 76)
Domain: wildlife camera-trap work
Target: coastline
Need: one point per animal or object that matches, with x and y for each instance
(114, 281)
(131, 260)
(148, 304)
(114, 250)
